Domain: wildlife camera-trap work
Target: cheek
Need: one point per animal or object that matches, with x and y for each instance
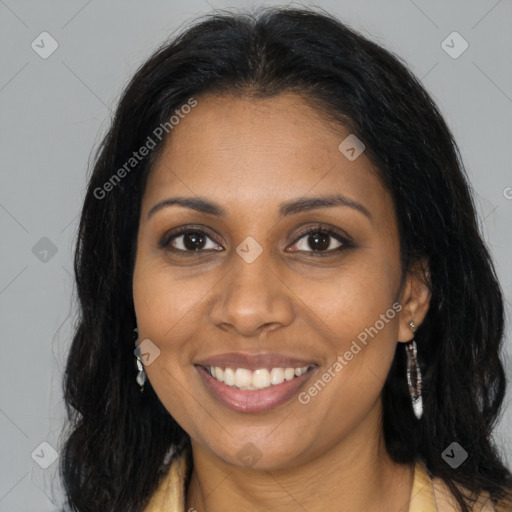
(349, 299)
(361, 347)
(164, 300)
(356, 312)
(163, 306)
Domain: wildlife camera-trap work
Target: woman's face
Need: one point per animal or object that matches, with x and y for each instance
(258, 296)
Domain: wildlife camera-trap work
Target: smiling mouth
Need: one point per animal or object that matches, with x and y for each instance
(249, 380)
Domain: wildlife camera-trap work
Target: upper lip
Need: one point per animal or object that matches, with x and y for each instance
(254, 361)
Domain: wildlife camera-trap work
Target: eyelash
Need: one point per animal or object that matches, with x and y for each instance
(320, 229)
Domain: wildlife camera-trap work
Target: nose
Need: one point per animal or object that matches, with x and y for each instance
(252, 298)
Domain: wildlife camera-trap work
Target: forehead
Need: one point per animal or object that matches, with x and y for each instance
(249, 152)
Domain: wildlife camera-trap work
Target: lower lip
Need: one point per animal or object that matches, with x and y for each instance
(254, 400)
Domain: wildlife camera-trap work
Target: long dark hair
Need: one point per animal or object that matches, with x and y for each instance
(119, 441)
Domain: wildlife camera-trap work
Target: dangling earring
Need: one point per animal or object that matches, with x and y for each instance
(141, 376)
(414, 375)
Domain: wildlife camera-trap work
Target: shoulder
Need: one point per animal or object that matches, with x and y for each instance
(432, 494)
(170, 493)
(446, 502)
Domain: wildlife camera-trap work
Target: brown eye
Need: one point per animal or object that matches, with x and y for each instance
(190, 240)
(193, 241)
(321, 242)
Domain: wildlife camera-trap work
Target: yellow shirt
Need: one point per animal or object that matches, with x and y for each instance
(427, 495)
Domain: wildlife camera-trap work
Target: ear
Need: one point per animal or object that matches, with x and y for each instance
(415, 299)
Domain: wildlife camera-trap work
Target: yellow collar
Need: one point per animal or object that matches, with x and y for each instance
(427, 495)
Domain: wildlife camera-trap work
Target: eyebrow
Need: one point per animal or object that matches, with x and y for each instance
(300, 205)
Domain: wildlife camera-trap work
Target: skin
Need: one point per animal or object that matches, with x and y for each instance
(248, 155)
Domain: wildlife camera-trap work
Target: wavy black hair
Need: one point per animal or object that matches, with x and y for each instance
(119, 442)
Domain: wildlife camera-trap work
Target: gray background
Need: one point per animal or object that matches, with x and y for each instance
(55, 110)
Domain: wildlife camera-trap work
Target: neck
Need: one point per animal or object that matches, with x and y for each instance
(356, 474)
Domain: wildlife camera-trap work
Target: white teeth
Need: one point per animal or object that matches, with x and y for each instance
(219, 373)
(229, 377)
(242, 378)
(289, 374)
(245, 379)
(277, 375)
(261, 379)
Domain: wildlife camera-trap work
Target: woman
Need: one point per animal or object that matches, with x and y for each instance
(280, 219)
